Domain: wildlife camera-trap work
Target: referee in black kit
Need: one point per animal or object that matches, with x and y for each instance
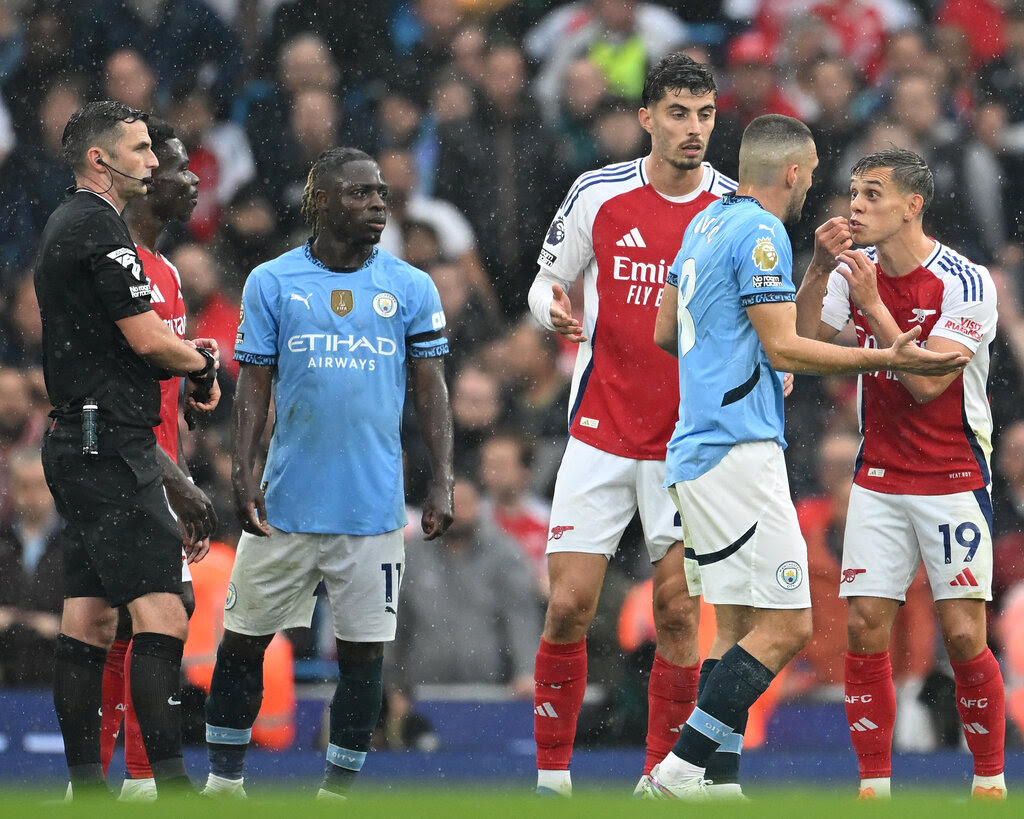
(104, 351)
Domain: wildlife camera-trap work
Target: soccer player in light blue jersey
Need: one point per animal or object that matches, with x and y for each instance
(728, 314)
(330, 329)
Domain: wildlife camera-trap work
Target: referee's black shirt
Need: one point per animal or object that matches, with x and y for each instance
(87, 277)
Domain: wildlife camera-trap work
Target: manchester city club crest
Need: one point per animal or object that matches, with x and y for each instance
(790, 575)
(385, 305)
(232, 597)
(765, 256)
(341, 302)
(556, 232)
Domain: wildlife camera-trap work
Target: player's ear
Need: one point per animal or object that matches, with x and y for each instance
(914, 207)
(644, 115)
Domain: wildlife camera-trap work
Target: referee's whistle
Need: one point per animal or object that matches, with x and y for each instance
(90, 439)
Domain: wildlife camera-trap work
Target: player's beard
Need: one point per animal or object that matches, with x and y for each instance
(795, 210)
(686, 163)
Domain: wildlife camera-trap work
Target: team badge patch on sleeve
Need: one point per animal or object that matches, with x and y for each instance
(556, 233)
(765, 256)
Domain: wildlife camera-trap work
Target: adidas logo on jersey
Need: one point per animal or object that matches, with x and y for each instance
(863, 724)
(632, 239)
(545, 709)
(156, 297)
(975, 728)
(965, 578)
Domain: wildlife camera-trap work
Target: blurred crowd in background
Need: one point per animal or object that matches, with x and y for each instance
(481, 113)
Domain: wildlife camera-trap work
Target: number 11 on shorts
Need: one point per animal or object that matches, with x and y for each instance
(393, 579)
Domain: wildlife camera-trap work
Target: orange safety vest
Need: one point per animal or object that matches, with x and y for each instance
(275, 725)
(636, 626)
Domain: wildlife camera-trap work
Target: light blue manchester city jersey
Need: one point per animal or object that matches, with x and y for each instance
(340, 341)
(734, 254)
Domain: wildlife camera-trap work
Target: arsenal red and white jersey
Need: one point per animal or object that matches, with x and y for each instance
(168, 303)
(943, 446)
(622, 235)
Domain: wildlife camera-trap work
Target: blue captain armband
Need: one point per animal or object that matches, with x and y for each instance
(255, 358)
(434, 349)
(766, 298)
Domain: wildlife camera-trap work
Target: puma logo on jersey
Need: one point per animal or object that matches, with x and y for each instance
(304, 299)
(632, 239)
(128, 260)
(921, 314)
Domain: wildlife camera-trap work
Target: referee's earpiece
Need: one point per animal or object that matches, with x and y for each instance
(99, 161)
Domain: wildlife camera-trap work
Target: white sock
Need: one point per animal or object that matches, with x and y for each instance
(221, 783)
(880, 786)
(674, 771)
(996, 781)
(558, 781)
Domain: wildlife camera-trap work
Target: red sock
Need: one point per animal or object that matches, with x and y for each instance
(113, 701)
(980, 699)
(671, 696)
(560, 676)
(135, 760)
(871, 712)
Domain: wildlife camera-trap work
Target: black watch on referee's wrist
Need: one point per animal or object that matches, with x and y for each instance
(206, 372)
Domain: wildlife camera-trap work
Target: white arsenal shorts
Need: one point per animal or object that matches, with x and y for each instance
(740, 525)
(597, 494)
(888, 536)
(274, 580)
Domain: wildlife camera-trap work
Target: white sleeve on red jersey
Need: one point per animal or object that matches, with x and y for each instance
(968, 301)
(835, 307)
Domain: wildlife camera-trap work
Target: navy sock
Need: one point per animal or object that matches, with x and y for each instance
(156, 695)
(724, 765)
(355, 710)
(77, 699)
(732, 686)
(236, 693)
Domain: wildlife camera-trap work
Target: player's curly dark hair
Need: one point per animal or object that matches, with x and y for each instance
(677, 72)
(93, 124)
(160, 133)
(909, 171)
(330, 161)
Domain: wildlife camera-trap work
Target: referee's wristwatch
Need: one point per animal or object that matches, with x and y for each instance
(206, 373)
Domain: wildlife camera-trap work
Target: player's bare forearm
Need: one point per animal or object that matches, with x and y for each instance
(248, 421)
(434, 413)
(775, 325)
(809, 298)
(194, 509)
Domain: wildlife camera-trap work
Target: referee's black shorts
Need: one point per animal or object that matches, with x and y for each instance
(120, 539)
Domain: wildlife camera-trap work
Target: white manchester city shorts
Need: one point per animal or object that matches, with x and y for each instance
(888, 536)
(274, 580)
(739, 521)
